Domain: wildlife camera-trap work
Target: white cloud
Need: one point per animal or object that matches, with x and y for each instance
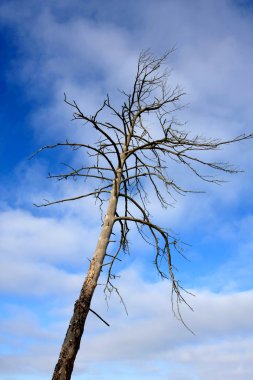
(44, 256)
(37, 253)
(222, 323)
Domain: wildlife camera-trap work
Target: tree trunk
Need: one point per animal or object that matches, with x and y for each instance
(71, 344)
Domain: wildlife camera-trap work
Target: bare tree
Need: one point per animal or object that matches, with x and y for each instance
(126, 157)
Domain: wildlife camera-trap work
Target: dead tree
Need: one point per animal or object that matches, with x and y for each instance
(128, 155)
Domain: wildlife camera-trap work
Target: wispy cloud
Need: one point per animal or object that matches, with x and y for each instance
(87, 50)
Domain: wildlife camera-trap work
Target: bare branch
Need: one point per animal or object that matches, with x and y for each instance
(128, 154)
(72, 199)
(99, 317)
(77, 146)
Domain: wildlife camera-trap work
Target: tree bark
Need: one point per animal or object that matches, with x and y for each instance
(64, 367)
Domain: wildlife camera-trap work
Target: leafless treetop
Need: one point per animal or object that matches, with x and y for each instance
(128, 153)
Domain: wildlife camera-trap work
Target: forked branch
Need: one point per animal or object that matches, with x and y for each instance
(132, 157)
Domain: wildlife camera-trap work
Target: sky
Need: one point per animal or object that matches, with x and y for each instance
(86, 50)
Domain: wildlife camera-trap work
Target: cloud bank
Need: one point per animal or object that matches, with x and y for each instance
(87, 50)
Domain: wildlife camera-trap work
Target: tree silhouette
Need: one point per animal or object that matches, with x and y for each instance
(128, 154)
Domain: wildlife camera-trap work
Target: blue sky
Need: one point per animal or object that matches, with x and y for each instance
(87, 49)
